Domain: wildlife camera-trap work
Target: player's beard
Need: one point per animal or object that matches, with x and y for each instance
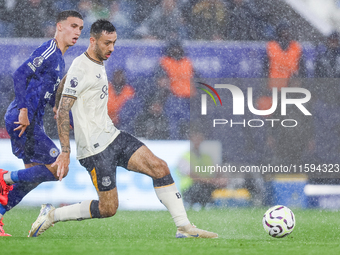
(99, 53)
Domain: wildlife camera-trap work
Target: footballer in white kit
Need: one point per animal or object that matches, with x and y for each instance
(87, 82)
(101, 147)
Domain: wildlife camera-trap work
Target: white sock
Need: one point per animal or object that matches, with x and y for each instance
(172, 199)
(7, 178)
(78, 211)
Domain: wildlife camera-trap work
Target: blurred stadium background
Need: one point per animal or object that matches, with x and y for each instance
(225, 40)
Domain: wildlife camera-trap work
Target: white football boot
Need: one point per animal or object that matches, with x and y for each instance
(190, 231)
(44, 220)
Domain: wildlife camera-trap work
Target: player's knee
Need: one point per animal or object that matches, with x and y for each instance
(160, 168)
(108, 211)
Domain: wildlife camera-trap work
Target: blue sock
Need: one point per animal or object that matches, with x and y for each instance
(2, 210)
(34, 174)
(20, 190)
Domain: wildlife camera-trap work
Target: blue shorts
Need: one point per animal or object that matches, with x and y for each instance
(34, 146)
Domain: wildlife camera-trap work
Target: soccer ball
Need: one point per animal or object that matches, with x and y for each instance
(278, 221)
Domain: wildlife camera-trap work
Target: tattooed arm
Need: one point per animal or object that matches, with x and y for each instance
(63, 123)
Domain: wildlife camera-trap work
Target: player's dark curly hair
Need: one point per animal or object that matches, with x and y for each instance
(100, 26)
(69, 13)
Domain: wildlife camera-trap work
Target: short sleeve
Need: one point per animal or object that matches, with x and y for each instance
(75, 82)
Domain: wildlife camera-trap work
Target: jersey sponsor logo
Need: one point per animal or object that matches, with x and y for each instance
(74, 82)
(70, 91)
(105, 92)
(38, 61)
(106, 181)
(31, 66)
(54, 152)
(98, 76)
(48, 95)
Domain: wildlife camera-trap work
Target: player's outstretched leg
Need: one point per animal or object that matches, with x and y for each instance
(168, 194)
(4, 188)
(14, 185)
(44, 220)
(2, 231)
(144, 161)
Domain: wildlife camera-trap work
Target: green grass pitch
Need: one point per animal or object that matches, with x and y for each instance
(153, 232)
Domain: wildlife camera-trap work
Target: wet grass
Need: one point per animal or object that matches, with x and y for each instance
(140, 232)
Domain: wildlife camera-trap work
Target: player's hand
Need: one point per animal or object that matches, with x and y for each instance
(62, 162)
(23, 121)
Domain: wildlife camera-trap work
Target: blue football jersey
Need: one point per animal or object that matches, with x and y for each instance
(35, 84)
(37, 79)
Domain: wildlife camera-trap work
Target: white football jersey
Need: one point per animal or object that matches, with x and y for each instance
(93, 129)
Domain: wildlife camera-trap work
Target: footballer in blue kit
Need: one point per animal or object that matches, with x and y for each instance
(35, 84)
